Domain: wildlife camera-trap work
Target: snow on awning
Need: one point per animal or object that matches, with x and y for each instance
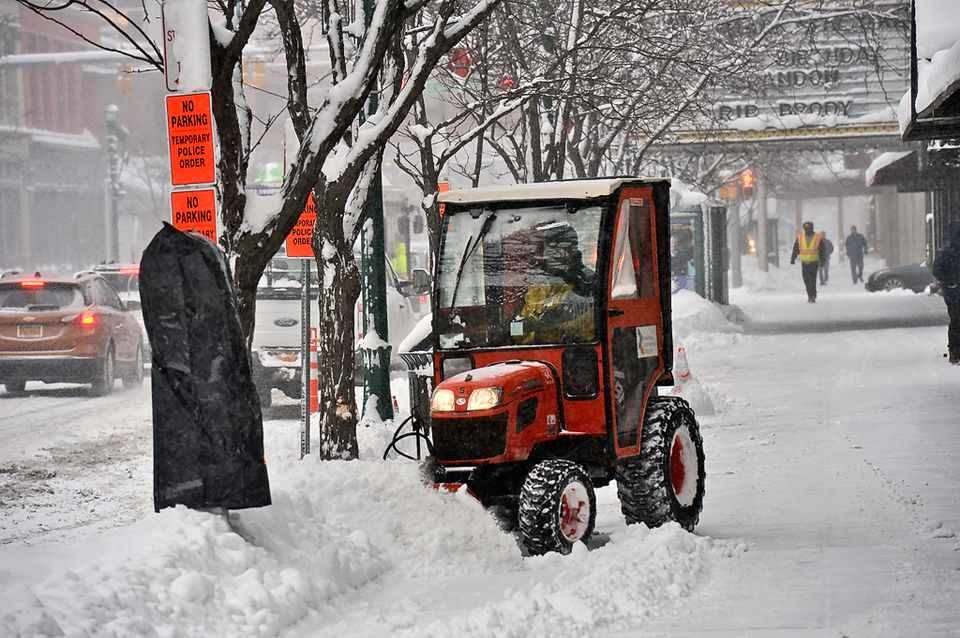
(876, 175)
(937, 68)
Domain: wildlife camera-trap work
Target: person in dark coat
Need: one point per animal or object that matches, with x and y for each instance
(856, 247)
(809, 248)
(946, 268)
(825, 262)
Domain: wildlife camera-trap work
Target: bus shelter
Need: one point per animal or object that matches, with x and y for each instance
(698, 251)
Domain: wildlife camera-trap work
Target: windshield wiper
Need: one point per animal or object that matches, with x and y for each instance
(468, 251)
(42, 306)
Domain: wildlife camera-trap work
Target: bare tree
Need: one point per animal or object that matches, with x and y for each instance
(336, 159)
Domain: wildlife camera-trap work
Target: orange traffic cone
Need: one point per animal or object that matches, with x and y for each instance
(680, 365)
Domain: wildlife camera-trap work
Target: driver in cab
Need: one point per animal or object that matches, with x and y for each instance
(558, 305)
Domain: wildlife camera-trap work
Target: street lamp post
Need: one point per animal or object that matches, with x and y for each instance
(376, 379)
(116, 134)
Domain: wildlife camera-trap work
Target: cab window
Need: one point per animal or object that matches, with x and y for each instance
(632, 256)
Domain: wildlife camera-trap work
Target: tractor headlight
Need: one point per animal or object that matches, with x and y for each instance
(484, 399)
(442, 401)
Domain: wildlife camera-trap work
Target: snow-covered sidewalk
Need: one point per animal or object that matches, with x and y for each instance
(832, 507)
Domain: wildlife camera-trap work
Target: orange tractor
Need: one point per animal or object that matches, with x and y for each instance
(551, 334)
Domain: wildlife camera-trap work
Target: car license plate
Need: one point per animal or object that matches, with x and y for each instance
(29, 331)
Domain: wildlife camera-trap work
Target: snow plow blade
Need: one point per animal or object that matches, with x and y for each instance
(207, 425)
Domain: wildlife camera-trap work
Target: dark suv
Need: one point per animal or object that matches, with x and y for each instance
(60, 329)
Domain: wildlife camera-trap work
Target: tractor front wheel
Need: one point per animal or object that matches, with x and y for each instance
(666, 481)
(558, 507)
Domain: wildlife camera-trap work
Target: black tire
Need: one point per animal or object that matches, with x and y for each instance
(134, 377)
(892, 283)
(15, 387)
(544, 510)
(102, 384)
(646, 486)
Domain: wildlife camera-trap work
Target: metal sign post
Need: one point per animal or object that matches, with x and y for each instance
(305, 359)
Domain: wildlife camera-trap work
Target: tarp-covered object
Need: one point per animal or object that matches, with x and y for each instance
(207, 425)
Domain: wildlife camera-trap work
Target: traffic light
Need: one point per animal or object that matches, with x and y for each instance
(747, 182)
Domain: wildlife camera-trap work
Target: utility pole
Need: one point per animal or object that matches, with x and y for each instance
(733, 243)
(376, 378)
(116, 134)
(763, 256)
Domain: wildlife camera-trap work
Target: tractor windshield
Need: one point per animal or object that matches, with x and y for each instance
(519, 276)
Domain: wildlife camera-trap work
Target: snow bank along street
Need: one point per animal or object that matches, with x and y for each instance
(832, 509)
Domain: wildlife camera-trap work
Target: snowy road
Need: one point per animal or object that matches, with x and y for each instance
(832, 508)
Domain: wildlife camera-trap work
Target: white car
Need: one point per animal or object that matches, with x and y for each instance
(277, 335)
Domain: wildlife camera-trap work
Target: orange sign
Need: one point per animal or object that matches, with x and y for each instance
(195, 211)
(190, 131)
(298, 241)
(442, 187)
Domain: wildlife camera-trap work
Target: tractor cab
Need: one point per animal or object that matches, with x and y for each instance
(551, 334)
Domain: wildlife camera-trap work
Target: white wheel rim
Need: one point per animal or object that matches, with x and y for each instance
(684, 468)
(574, 511)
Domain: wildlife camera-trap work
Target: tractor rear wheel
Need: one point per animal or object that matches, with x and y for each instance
(558, 507)
(666, 481)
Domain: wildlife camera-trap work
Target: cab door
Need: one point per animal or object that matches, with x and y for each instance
(634, 321)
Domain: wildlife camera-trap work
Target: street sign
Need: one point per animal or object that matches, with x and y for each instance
(298, 241)
(195, 210)
(190, 133)
(186, 45)
(442, 187)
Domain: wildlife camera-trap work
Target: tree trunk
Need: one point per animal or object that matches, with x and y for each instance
(339, 288)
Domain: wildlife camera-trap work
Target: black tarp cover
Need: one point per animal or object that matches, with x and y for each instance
(207, 425)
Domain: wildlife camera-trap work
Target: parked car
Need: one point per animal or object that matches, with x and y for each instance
(915, 277)
(61, 329)
(125, 280)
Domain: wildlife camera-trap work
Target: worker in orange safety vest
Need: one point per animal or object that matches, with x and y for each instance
(809, 248)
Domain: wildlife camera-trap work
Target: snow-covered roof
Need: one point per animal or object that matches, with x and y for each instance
(573, 189)
(884, 160)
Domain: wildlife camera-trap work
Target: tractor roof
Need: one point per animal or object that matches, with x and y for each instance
(569, 189)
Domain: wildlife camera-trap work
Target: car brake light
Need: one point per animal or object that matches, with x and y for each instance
(87, 319)
(32, 283)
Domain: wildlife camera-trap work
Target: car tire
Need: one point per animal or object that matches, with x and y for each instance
(892, 283)
(665, 482)
(552, 500)
(134, 377)
(15, 387)
(102, 385)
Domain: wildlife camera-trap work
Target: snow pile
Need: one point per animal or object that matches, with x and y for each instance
(688, 387)
(190, 573)
(696, 323)
(693, 314)
(638, 574)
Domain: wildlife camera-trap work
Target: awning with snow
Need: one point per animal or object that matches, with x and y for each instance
(916, 171)
(888, 168)
(931, 108)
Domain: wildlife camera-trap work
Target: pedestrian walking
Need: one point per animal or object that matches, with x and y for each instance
(856, 247)
(946, 268)
(809, 248)
(825, 262)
